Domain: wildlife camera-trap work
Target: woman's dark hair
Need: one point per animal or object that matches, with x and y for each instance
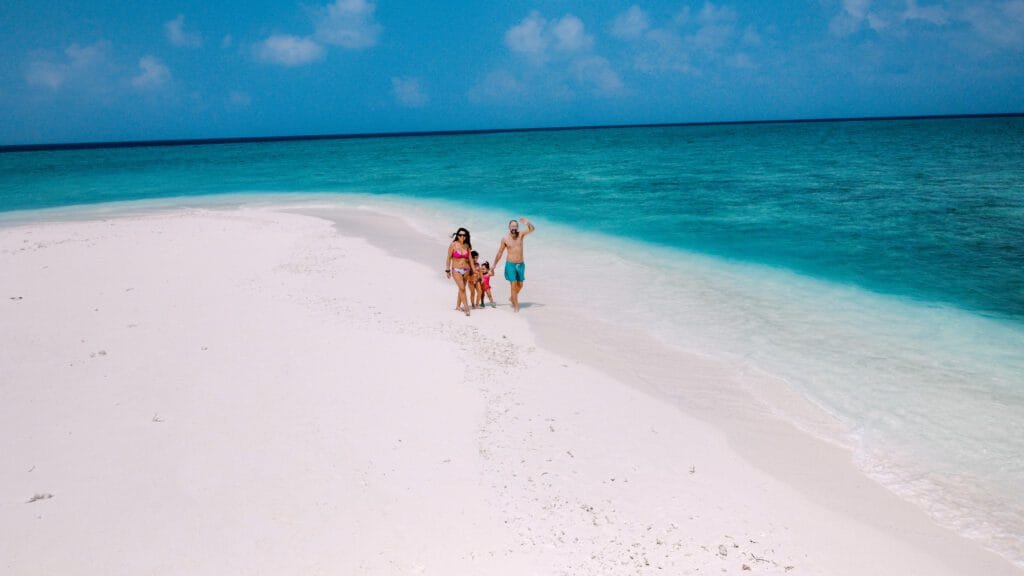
(456, 234)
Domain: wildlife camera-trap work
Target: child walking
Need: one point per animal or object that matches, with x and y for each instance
(474, 279)
(485, 284)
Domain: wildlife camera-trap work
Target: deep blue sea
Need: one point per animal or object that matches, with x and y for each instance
(876, 266)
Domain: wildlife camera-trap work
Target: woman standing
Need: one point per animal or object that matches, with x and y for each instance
(459, 266)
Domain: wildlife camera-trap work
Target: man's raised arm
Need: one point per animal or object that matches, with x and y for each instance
(529, 226)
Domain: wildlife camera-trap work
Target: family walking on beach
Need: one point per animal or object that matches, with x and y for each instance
(462, 265)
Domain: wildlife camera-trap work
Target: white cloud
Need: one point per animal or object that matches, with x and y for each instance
(570, 35)
(710, 14)
(682, 17)
(847, 21)
(86, 56)
(998, 23)
(80, 63)
(45, 74)
(176, 34)
(934, 14)
(689, 41)
(288, 50)
(528, 36)
(348, 23)
(152, 73)
(717, 27)
(560, 61)
(857, 8)
(408, 91)
(539, 39)
(630, 24)
(854, 15)
(989, 24)
(598, 72)
(886, 14)
(877, 23)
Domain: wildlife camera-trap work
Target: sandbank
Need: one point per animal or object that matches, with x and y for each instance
(287, 390)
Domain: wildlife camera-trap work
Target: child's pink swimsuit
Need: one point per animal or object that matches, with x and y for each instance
(486, 281)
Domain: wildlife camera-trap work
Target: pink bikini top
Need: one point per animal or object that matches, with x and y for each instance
(459, 255)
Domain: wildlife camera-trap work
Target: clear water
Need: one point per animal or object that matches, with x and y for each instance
(878, 267)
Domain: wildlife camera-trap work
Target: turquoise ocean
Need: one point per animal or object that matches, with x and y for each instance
(877, 267)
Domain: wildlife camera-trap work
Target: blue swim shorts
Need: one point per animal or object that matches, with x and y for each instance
(515, 271)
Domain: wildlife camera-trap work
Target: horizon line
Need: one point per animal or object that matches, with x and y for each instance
(464, 132)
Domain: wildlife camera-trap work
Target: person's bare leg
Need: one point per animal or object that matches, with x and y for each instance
(516, 287)
(458, 298)
(465, 300)
(461, 282)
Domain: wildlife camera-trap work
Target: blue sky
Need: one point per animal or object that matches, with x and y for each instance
(127, 70)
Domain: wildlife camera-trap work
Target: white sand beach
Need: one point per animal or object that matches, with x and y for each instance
(259, 391)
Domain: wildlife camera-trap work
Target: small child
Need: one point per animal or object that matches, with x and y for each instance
(485, 284)
(473, 279)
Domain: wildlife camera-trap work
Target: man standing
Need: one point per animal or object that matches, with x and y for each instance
(515, 268)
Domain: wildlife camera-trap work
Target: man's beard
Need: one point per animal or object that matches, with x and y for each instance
(515, 233)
